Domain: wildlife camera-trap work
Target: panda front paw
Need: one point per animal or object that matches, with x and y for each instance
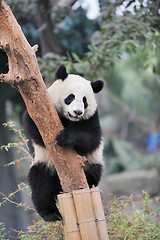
(63, 138)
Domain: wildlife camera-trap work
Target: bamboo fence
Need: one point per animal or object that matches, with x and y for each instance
(83, 215)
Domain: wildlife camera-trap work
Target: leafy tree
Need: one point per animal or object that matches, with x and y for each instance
(118, 34)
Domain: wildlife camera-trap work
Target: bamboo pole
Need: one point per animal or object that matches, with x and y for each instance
(69, 217)
(99, 214)
(83, 215)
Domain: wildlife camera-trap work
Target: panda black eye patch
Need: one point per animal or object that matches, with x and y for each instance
(69, 99)
(85, 102)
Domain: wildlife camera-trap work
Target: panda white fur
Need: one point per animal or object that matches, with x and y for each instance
(73, 97)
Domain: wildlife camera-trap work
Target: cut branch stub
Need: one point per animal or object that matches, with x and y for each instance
(25, 75)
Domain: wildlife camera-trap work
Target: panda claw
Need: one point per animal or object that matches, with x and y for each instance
(58, 138)
(61, 139)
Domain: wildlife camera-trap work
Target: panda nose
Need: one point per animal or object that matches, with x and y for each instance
(78, 113)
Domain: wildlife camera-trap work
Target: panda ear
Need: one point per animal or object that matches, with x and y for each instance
(97, 86)
(61, 72)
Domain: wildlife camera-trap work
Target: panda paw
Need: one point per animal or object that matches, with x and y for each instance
(63, 138)
(51, 216)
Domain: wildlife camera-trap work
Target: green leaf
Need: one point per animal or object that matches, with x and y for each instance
(154, 69)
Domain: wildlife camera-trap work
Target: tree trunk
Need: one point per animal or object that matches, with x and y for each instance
(45, 14)
(25, 75)
(47, 37)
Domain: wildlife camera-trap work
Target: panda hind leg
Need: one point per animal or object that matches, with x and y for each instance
(93, 174)
(45, 186)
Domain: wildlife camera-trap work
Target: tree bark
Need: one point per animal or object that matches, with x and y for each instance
(24, 74)
(49, 42)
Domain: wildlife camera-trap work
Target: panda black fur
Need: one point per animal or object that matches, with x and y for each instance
(73, 97)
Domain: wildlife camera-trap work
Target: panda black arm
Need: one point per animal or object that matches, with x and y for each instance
(31, 129)
(85, 136)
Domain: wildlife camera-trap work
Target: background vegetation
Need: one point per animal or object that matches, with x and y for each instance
(122, 47)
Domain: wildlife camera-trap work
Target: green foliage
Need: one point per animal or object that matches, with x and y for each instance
(2, 231)
(129, 219)
(48, 64)
(21, 144)
(126, 218)
(42, 230)
(124, 157)
(18, 132)
(133, 97)
(75, 32)
(119, 34)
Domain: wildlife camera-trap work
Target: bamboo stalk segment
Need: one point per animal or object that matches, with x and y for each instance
(99, 214)
(67, 209)
(85, 214)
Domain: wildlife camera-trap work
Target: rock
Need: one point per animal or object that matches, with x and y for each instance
(134, 182)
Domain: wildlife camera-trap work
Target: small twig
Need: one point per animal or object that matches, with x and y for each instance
(7, 198)
(35, 48)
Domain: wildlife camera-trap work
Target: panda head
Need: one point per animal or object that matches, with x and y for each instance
(73, 96)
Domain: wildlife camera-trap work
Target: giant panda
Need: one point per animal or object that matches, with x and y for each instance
(74, 99)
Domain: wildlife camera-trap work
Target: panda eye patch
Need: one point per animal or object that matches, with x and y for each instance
(69, 99)
(85, 102)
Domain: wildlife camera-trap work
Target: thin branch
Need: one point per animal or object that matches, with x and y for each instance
(8, 199)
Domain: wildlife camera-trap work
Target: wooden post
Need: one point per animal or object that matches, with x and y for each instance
(83, 215)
